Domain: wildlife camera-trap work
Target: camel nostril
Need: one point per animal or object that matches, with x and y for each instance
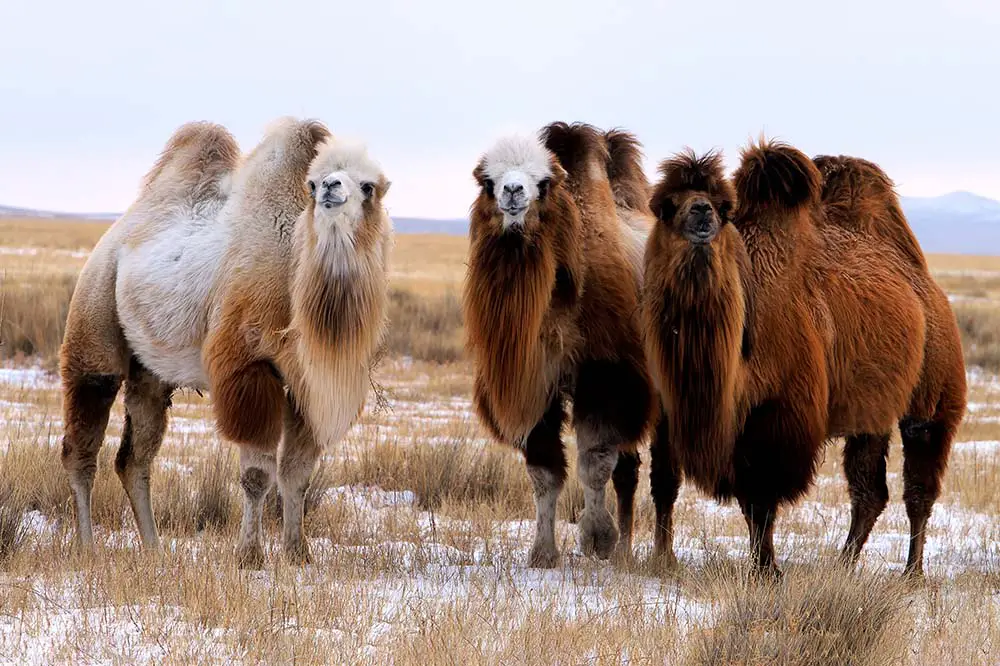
(332, 184)
(514, 188)
(701, 208)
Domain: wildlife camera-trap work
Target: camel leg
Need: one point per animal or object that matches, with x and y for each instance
(760, 522)
(864, 467)
(147, 400)
(611, 404)
(257, 472)
(546, 462)
(664, 484)
(626, 479)
(87, 401)
(298, 454)
(926, 445)
(597, 452)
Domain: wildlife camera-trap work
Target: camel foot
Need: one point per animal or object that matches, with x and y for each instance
(297, 553)
(543, 556)
(664, 559)
(598, 534)
(250, 556)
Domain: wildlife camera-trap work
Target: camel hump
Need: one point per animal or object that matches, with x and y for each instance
(288, 143)
(195, 163)
(577, 146)
(294, 133)
(776, 176)
(628, 181)
(270, 186)
(860, 197)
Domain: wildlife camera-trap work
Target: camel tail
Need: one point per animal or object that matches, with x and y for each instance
(774, 176)
(196, 165)
(628, 181)
(859, 196)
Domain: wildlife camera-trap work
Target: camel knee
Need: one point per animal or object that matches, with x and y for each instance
(625, 476)
(625, 479)
(865, 469)
(87, 402)
(925, 456)
(256, 483)
(597, 454)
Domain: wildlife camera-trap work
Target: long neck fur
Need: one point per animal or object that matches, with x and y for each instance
(338, 317)
(697, 336)
(507, 294)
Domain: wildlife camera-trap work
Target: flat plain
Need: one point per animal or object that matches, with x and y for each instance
(420, 526)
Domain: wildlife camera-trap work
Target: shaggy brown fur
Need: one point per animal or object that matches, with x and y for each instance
(628, 182)
(551, 313)
(695, 319)
(248, 391)
(848, 339)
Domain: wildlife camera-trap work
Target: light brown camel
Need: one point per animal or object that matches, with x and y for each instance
(262, 280)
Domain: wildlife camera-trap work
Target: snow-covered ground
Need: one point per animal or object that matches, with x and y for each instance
(427, 562)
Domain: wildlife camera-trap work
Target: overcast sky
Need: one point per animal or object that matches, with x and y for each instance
(90, 91)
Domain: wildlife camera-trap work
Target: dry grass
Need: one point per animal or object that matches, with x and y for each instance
(420, 528)
(980, 326)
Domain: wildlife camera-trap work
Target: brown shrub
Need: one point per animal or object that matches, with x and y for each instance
(811, 617)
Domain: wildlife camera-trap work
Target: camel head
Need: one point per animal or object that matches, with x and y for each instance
(516, 178)
(346, 187)
(693, 199)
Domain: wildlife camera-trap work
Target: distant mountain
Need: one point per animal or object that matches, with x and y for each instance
(956, 223)
(426, 225)
(12, 211)
(959, 222)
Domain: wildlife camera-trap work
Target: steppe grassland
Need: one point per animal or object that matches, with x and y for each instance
(420, 527)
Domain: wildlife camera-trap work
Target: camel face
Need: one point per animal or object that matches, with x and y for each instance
(693, 200)
(515, 175)
(698, 221)
(344, 184)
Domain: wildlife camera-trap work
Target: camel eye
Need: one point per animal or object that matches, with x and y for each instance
(488, 187)
(368, 189)
(312, 188)
(543, 187)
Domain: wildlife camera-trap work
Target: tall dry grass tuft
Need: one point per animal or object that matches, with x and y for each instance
(426, 328)
(979, 324)
(817, 616)
(14, 533)
(456, 474)
(35, 470)
(33, 310)
(215, 504)
(454, 471)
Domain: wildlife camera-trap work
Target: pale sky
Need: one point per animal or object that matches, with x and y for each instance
(90, 91)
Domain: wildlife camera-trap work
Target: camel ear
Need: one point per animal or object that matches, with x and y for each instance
(663, 206)
(479, 173)
(383, 186)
